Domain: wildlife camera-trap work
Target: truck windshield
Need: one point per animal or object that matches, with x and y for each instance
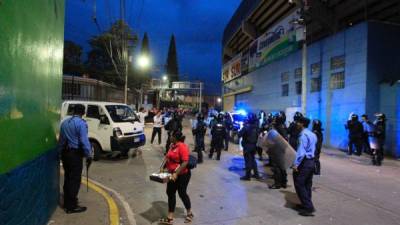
(121, 113)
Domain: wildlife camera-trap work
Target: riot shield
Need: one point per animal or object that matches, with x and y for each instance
(277, 148)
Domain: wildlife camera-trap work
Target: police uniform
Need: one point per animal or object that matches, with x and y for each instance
(249, 135)
(75, 145)
(199, 132)
(305, 164)
(218, 132)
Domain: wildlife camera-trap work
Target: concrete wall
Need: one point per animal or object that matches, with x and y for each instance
(31, 43)
(331, 106)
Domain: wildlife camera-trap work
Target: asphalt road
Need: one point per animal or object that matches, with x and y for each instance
(350, 191)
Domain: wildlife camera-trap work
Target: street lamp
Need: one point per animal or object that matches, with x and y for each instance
(219, 100)
(165, 78)
(143, 61)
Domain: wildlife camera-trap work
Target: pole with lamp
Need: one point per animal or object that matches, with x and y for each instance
(143, 62)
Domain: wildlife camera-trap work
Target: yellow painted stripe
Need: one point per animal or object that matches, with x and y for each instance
(112, 206)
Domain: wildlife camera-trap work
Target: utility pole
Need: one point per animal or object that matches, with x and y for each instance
(200, 92)
(124, 45)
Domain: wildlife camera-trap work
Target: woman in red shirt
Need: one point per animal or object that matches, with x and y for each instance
(176, 162)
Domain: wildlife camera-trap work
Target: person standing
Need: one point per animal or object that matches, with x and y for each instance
(355, 134)
(380, 134)
(317, 130)
(304, 166)
(173, 125)
(280, 174)
(218, 132)
(293, 131)
(142, 115)
(177, 160)
(228, 125)
(365, 139)
(74, 144)
(157, 125)
(199, 131)
(249, 134)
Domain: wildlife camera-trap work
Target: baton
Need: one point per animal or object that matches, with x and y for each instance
(87, 178)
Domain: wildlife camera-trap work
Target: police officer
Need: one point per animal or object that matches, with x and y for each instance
(228, 125)
(317, 130)
(355, 134)
(280, 175)
(380, 134)
(304, 166)
(293, 131)
(218, 132)
(74, 144)
(367, 125)
(199, 132)
(174, 124)
(249, 134)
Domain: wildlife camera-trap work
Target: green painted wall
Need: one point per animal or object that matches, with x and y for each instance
(31, 55)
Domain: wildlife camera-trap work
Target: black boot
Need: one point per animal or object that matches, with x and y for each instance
(247, 176)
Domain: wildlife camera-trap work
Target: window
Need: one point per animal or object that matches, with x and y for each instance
(316, 69)
(337, 80)
(71, 109)
(121, 113)
(298, 87)
(285, 89)
(93, 111)
(285, 76)
(297, 73)
(316, 84)
(337, 62)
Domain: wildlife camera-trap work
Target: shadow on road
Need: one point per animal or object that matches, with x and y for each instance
(291, 199)
(159, 210)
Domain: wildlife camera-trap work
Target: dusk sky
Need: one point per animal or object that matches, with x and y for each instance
(197, 24)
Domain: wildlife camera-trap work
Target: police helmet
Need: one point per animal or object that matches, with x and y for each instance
(305, 121)
(380, 116)
(316, 124)
(251, 117)
(297, 116)
(220, 117)
(354, 117)
(200, 116)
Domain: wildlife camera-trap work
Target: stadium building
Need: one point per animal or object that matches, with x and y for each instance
(351, 62)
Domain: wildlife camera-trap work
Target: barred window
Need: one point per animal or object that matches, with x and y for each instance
(285, 76)
(316, 69)
(297, 73)
(298, 87)
(337, 80)
(285, 89)
(316, 84)
(337, 62)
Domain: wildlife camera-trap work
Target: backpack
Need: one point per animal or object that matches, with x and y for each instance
(192, 163)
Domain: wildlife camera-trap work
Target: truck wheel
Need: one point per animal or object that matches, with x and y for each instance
(96, 151)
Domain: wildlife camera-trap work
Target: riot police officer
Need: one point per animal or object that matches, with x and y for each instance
(293, 131)
(174, 124)
(355, 134)
(228, 125)
(218, 132)
(199, 132)
(280, 175)
(74, 144)
(317, 130)
(380, 134)
(249, 134)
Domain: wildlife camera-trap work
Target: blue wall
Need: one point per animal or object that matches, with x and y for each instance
(29, 193)
(383, 69)
(331, 106)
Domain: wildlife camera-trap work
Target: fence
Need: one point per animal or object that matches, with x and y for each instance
(87, 89)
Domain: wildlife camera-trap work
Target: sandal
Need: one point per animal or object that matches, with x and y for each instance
(189, 218)
(166, 220)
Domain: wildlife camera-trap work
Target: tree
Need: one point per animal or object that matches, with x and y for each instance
(72, 64)
(145, 45)
(108, 58)
(172, 61)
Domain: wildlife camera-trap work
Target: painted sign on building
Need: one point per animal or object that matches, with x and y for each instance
(232, 69)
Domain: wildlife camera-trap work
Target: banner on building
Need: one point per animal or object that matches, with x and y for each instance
(232, 69)
(278, 42)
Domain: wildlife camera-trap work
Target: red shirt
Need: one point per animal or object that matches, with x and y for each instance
(177, 154)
